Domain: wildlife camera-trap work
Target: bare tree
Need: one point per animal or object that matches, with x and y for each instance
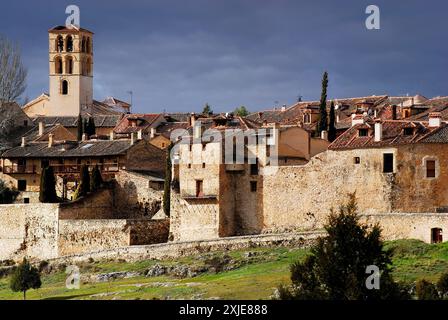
(12, 71)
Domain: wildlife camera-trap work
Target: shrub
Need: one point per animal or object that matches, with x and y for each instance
(7, 195)
(426, 290)
(47, 192)
(442, 285)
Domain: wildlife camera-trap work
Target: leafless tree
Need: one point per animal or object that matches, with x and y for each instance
(12, 71)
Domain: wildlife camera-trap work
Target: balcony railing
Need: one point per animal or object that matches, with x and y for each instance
(59, 168)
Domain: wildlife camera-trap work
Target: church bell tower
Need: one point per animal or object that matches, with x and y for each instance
(71, 70)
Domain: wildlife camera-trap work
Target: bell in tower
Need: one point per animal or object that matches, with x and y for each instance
(71, 71)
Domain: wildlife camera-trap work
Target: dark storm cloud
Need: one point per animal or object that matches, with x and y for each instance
(178, 55)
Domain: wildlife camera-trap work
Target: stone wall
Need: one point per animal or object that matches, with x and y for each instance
(28, 231)
(99, 205)
(144, 232)
(136, 196)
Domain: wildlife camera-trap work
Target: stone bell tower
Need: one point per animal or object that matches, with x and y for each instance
(71, 70)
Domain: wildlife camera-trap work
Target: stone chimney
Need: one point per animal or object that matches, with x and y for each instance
(153, 133)
(284, 108)
(192, 119)
(435, 119)
(112, 136)
(324, 135)
(50, 140)
(23, 142)
(197, 131)
(84, 137)
(378, 130)
(140, 134)
(41, 128)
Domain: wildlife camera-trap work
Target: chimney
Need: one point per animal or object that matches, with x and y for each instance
(84, 137)
(112, 136)
(394, 112)
(378, 130)
(23, 142)
(435, 119)
(153, 133)
(41, 128)
(324, 135)
(132, 139)
(197, 131)
(192, 119)
(140, 134)
(50, 140)
(284, 108)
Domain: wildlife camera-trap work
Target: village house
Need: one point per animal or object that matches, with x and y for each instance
(214, 197)
(22, 166)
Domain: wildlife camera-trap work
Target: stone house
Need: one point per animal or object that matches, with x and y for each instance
(22, 166)
(215, 197)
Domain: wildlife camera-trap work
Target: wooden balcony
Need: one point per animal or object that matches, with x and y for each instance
(59, 168)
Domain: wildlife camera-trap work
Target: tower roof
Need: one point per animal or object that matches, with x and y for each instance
(65, 29)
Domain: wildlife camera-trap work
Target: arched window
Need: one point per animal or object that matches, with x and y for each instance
(88, 67)
(64, 87)
(88, 45)
(69, 65)
(58, 65)
(59, 44)
(83, 44)
(69, 44)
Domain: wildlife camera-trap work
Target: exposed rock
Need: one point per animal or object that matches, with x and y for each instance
(115, 275)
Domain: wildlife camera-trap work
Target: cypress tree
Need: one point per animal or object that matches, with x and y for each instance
(84, 186)
(97, 180)
(322, 124)
(207, 110)
(25, 277)
(91, 126)
(80, 128)
(167, 186)
(47, 192)
(332, 124)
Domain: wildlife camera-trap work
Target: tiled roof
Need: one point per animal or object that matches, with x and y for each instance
(78, 149)
(166, 128)
(101, 121)
(145, 122)
(392, 134)
(65, 29)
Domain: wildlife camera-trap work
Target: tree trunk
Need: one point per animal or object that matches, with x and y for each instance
(24, 295)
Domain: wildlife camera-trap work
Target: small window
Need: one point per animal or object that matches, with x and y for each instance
(21, 185)
(199, 188)
(388, 163)
(189, 166)
(26, 200)
(64, 87)
(163, 145)
(190, 147)
(436, 235)
(253, 186)
(357, 160)
(203, 166)
(408, 131)
(306, 118)
(430, 168)
(254, 169)
(363, 132)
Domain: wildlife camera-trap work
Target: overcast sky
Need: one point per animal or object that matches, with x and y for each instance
(178, 55)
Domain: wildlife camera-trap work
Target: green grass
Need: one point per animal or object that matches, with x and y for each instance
(255, 278)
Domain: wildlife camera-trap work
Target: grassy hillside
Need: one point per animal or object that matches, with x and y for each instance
(249, 274)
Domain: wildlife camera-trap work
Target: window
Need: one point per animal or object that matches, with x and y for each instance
(21, 185)
(430, 168)
(388, 162)
(83, 44)
(408, 131)
(189, 166)
(26, 200)
(59, 44)
(199, 188)
(436, 235)
(306, 118)
(69, 65)
(203, 166)
(58, 65)
(65, 87)
(253, 186)
(69, 44)
(357, 160)
(363, 132)
(88, 45)
(254, 168)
